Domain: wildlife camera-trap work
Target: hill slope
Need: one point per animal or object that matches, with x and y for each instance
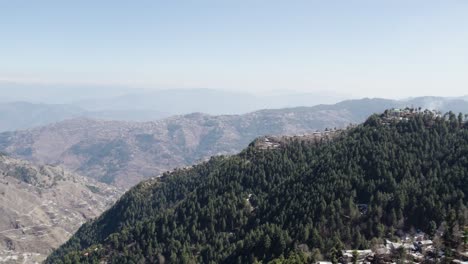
(42, 206)
(310, 194)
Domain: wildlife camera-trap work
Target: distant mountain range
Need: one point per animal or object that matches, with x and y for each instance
(123, 153)
(208, 101)
(24, 115)
(155, 105)
(56, 93)
(25, 107)
(42, 206)
(172, 101)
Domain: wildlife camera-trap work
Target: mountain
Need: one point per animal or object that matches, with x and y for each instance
(123, 153)
(302, 198)
(25, 115)
(173, 101)
(48, 93)
(208, 101)
(42, 206)
(139, 115)
(155, 105)
(143, 106)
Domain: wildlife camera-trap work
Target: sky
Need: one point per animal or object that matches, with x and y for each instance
(391, 48)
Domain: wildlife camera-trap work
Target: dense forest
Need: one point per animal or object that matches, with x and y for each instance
(296, 203)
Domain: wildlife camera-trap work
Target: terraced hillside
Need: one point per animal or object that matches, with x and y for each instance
(42, 206)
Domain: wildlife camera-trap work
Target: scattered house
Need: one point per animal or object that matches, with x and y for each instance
(268, 143)
(406, 113)
(382, 251)
(362, 254)
(418, 249)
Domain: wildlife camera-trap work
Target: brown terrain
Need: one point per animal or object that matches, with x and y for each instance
(42, 206)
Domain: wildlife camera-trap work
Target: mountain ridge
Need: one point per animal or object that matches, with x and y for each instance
(124, 152)
(26, 115)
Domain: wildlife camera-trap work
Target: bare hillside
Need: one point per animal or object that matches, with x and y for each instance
(42, 206)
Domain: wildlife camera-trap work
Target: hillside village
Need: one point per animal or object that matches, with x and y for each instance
(405, 113)
(272, 142)
(418, 247)
(389, 116)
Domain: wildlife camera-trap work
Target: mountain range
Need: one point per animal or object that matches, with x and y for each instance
(123, 152)
(24, 115)
(155, 105)
(142, 106)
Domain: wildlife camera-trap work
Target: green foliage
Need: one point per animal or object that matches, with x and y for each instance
(24, 174)
(355, 257)
(259, 205)
(399, 254)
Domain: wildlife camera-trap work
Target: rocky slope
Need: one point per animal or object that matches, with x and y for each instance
(42, 206)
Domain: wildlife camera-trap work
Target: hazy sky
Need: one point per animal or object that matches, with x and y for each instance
(362, 48)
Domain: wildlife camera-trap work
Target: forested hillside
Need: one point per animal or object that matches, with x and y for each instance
(301, 199)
